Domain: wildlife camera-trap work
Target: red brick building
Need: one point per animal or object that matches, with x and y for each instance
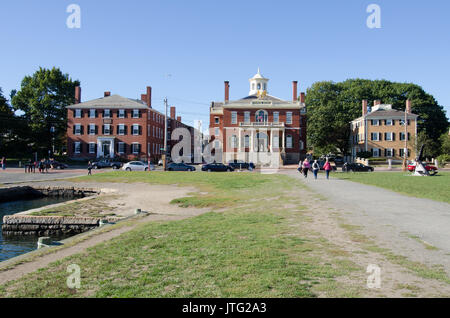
(115, 126)
(260, 125)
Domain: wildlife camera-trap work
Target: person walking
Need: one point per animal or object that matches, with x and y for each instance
(327, 168)
(305, 167)
(300, 166)
(315, 168)
(3, 162)
(89, 168)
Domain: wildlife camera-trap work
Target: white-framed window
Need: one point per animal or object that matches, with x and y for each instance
(390, 152)
(121, 130)
(121, 113)
(121, 148)
(288, 141)
(247, 141)
(302, 145)
(216, 120)
(247, 116)
(135, 148)
(402, 136)
(216, 132)
(77, 129)
(217, 144)
(276, 117)
(135, 113)
(77, 113)
(261, 116)
(77, 147)
(374, 136)
(234, 117)
(388, 136)
(375, 152)
(107, 113)
(91, 129)
(233, 141)
(389, 122)
(92, 146)
(106, 129)
(92, 113)
(289, 118)
(375, 122)
(135, 129)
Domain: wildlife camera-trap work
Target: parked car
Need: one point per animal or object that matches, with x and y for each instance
(106, 163)
(239, 164)
(429, 167)
(217, 167)
(180, 167)
(58, 165)
(356, 167)
(137, 166)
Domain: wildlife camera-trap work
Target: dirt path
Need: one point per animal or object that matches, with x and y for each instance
(153, 199)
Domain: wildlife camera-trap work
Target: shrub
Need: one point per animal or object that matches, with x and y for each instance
(443, 159)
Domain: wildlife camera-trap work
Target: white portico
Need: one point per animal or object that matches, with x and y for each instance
(105, 147)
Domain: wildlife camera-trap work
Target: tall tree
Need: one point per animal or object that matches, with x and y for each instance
(331, 107)
(42, 99)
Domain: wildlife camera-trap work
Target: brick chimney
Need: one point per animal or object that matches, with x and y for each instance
(376, 102)
(106, 94)
(179, 118)
(294, 91)
(149, 96)
(144, 98)
(302, 97)
(172, 112)
(227, 91)
(77, 94)
(364, 107)
(408, 106)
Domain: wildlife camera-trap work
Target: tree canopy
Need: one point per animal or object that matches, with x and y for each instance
(42, 98)
(332, 106)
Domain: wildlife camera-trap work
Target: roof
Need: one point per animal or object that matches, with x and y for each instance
(111, 102)
(255, 101)
(387, 114)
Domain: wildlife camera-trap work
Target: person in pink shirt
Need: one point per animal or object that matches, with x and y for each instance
(327, 168)
(305, 167)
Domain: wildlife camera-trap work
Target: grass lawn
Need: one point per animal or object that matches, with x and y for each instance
(255, 242)
(434, 188)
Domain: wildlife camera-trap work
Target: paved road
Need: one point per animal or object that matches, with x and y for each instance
(17, 175)
(391, 218)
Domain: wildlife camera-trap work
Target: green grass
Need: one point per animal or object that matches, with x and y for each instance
(435, 188)
(255, 247)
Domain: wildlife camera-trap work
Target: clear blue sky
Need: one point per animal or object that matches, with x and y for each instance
(123, 46)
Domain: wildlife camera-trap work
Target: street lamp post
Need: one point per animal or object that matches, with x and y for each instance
(165, 136)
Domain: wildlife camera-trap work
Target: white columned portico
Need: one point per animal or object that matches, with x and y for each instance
(282, 140)
(101, 142)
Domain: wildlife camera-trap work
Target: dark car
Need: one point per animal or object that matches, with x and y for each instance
(58, 165)
(106, 163)
(239, 164)
(180, 167)
(216, 167)
(356, 167)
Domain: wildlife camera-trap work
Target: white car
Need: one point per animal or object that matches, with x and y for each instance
(137, 166)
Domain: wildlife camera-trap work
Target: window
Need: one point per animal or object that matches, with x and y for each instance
(77, 129)
(374, 136)
(216, 132)
(276, 117)
(217, 144)
(92, 113)
(389, 152)
(107, 113)
(216, 120)
(135, 113)
(375, 122)
(265, 86)
(121, 148)
(261, 116)
(121, 129)
(92, 146)
(389, 136)
(302, 145)
(388, 122)
(289, 118)
(375, 152)
(247, 117)
(288, 141)
(233, 141)
(106, 129)
(402, 152)
(247, 141)
(402, 136)
(77, 113)
(253, 86)
(136, 148)
(121, 113)
(136, 130)
(92, 129)
(77, 147)
(259, 86)
(234, 117)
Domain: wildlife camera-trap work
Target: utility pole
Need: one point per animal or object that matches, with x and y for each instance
(165, 136)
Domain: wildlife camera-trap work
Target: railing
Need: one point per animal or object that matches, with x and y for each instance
(260, 124)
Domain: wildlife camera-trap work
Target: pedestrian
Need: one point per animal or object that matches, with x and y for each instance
(315, 168)
(89, 168)
(305, 167)
(3, 162)
(327, 168)
(300, 166)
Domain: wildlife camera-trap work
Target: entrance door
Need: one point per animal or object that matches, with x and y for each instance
(106, 146)
(262, 142)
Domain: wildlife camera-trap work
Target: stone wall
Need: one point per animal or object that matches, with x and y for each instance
(29, 193)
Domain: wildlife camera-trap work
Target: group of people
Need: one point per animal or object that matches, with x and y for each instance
(304, 166)
(43, 166)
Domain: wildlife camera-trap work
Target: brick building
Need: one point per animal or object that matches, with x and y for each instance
(259, 125)
(116, 126)
(382, 131)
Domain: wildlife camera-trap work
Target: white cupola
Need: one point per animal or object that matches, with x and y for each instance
(258, 84)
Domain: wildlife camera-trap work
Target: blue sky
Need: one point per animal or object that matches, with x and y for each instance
(186, 49)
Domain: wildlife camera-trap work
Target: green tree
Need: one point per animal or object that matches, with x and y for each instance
(42, 98)
(445, 141)
(332, 106)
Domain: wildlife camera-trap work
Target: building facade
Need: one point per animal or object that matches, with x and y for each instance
(382, 131)
(115, 126)
(259, 128)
